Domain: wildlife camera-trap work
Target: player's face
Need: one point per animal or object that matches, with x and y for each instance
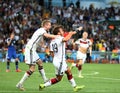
(61, 31)
(85, 35)
(48, 26)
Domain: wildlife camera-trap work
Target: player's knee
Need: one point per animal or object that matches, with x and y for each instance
(79, 67)
(8, 60)
(68, 71)
(29, 72)
(40, 67)
(16, 63)
(59, 78)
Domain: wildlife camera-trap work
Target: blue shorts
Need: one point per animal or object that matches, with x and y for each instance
(11, 54)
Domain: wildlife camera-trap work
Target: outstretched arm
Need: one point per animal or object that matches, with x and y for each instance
(49, 35)
(71, 33)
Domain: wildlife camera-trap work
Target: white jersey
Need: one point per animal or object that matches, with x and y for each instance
(37, 37)
(58, 47)
(83, 43)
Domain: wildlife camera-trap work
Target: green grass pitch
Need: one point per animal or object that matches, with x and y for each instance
(98, 78)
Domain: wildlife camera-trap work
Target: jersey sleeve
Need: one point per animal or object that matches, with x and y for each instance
(42, 31)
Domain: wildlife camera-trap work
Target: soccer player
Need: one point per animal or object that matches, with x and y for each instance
(31, 56)
(57, 46)
(83, 45)
(11, 53)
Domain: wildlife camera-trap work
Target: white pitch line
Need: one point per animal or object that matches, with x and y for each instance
(115, 79)
(93, 73)
(61, 91)
(88, 74)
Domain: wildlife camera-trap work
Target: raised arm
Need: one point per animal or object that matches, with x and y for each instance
(72, 33)
(10, 39)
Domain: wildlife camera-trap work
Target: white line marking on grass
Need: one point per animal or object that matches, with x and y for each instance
(93, 73)
(115, 79)
(62, 91)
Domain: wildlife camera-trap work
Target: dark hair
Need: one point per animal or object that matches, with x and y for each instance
(56, 29)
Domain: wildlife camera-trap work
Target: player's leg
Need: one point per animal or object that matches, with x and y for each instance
(52, 81)
(72, 81)
(9, 56)
(70, 77)
(16, 63)
(79, 66)
(74, 64)
(8, 65)
(27, 74)
(59, 74)
(41, 70)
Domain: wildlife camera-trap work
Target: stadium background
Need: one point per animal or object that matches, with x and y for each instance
(25, 16)
(100, 18)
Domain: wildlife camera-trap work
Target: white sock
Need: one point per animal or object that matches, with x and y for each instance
(42, 72)
(72, 81)
(79, 73)
(48, 83)
(24, 78)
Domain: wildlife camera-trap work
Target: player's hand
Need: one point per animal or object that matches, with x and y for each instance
(12, 36)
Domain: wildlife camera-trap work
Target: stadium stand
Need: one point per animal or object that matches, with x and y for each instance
(25, 17)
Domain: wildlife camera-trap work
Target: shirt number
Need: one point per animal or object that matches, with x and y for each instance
(55, 47)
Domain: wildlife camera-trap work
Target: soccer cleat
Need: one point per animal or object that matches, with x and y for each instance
(80, 76)
(18, 70)
(78, 88)
(20, 87)
(41, 86)
(7, 70)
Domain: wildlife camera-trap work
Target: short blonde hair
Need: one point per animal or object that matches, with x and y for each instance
(45, 22)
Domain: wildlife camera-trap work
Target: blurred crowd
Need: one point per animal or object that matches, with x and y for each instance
(25, 16)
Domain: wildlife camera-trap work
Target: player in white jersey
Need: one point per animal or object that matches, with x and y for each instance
(57, 46)
(83, 45)
(31, 56)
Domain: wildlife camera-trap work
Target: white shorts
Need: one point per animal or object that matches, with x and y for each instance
(81, 56)
(60, 67)
(31, 56)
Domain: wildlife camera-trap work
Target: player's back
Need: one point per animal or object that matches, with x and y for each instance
(12, 45)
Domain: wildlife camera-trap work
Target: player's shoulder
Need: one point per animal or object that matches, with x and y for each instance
(57, 39)
(40, 30)
(80, 39)
(88, 40)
